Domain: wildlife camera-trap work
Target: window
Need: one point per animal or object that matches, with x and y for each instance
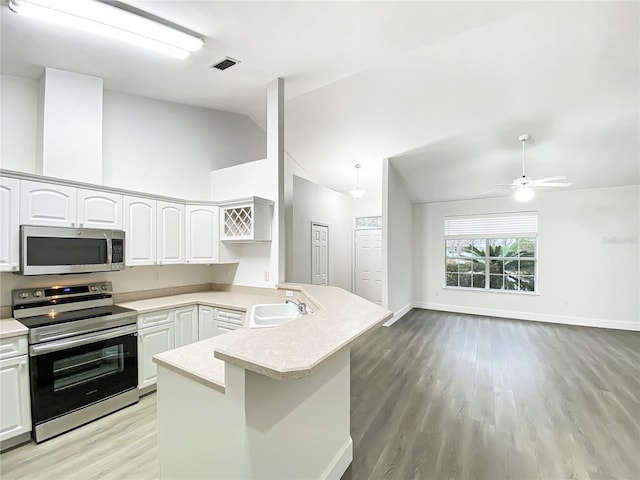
(368, 222)
(491, 252)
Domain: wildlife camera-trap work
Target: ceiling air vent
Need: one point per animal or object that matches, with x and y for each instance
(224, 64)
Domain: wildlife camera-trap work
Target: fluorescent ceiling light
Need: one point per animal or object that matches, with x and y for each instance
(110, 21)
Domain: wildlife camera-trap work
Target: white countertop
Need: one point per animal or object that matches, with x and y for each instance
(293, 350)
(10, 327)
(232, 300)
(196, 361)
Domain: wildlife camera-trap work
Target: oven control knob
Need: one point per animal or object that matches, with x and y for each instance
(37, 293)
(105, 287)
(24, 294)
(94, 288)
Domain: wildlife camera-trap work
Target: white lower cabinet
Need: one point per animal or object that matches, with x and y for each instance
(164, 330)
(15, 411)
(186, 321)
(151, 341)
(214, 321)
(207, 327)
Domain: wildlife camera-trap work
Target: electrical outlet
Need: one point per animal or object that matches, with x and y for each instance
(266, 276)
(288, 293)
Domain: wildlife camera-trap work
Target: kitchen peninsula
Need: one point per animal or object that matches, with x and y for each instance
(268, 402)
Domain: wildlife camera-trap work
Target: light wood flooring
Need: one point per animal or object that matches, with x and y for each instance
(437, 395)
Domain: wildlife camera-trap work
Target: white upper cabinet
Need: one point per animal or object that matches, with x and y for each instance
(248, 221)
(98, 209)
(140, 231)
(170, 240)
(202, 234)
(154, 231)
(9, 224)
(47, 204)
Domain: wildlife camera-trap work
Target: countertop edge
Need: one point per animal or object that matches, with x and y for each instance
(207, 382)
(296, 373)
(10, 327)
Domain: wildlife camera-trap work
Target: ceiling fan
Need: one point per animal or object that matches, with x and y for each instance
(524, 185)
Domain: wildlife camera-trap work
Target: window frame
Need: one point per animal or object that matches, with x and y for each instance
(485, 229)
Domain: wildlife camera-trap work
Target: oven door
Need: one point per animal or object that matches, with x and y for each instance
(76, 372)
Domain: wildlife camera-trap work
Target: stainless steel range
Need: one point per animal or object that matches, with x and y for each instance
(82, 355)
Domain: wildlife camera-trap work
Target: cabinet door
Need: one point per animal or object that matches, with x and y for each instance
(151, 341)
(14, 397)
(140, 229)
(170, 233)
(202, 234)
(99, 209)
(224, 327)
(9, 224)
(186, 325)
(207, 327)
(47, 204)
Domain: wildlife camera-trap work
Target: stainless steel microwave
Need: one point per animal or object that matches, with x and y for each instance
(59, 250)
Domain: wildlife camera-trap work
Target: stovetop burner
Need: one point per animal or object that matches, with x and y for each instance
(57, 312)
(74, 316)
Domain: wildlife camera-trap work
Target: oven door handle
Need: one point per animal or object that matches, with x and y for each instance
(58, 345)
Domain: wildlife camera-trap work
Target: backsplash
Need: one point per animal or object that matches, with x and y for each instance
(131, 283)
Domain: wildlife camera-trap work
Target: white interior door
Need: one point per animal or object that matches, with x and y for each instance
(319, 254)
(368, 264)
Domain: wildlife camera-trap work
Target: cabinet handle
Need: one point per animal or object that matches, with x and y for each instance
(73, 224)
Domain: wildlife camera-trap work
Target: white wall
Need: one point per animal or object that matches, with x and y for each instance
(315, 203)
(588, 254)
(18, 123)
(169, 148)
(132, 279)
(370, 205)
(70, 126)
(149, 146)
(397, 255)
(258, 178)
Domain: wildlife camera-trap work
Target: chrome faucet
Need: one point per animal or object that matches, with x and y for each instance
(302, 307)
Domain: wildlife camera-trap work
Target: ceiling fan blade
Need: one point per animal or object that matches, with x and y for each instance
(495, 190)
(548, 179)
(553, 184)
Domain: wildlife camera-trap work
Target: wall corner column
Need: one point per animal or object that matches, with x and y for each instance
(275, 155)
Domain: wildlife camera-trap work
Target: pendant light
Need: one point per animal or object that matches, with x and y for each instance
(357, 192)
(523, 192)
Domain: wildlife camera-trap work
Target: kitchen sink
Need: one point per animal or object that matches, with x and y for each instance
(272, 314)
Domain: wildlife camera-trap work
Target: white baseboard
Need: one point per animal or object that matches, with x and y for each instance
(536, 317)
(340, 463)
(397, 315)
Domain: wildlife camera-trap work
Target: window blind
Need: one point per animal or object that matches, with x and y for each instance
(497, 225)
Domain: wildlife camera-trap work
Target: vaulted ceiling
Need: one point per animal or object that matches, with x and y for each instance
(442, 88)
